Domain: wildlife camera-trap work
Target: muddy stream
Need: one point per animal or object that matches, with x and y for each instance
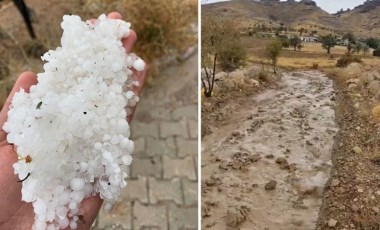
(286, 139)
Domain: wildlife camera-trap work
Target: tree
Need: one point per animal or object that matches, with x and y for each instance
(294, 42)
(372, 42)
(328, 42)
(376, 52)
(220, 43)
(365, 49)
(273, 50)
(350, 37)
(358, 47)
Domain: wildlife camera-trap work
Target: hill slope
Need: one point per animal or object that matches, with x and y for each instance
(364, 18)
(304, 14)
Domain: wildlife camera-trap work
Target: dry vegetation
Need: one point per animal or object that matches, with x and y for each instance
(165, 29)
(311, 55)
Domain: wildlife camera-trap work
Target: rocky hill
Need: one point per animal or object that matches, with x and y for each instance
(303, 14)
(365, 18)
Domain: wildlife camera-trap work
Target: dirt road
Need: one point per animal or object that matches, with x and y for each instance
(269, 171)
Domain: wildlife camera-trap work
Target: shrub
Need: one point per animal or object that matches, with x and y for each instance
(346, 60)
(376, 52)
(232, 55)
(163, 27)
(264, 76)
(315, 66)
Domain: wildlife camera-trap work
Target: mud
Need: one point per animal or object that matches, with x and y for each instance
(275, 162)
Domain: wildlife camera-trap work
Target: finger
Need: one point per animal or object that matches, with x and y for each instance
(25, 81)
(140, 77)
(129, 41)
(114, 15)
(88, 211)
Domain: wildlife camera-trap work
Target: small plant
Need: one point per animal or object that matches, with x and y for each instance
(315, 66)
(346, 60)
(273, 50)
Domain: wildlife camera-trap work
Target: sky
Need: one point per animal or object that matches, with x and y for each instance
(331, 6)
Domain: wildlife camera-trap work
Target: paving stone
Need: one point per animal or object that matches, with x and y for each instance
(187, 147)
(140, 129)
(139, 146)
(165, 190)
(190, 111)
(193, 128)
(146, 167)
(149, 216)
(160, 147)
(179, 168)
(190, 190)
(120, 215)
(183, 218)
(168, 129)
(136, 190)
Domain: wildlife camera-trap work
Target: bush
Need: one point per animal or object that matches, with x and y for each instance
(376, 52)
(163, 27)
(232, 55)
(315, 66)
(264, 76)
(346, 60)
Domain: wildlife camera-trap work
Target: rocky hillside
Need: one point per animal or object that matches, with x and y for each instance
(365, 18)
(304, 14)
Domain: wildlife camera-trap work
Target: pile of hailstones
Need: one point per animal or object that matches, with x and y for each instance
(71, 132)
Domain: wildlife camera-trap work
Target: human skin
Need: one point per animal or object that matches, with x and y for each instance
(16, 214)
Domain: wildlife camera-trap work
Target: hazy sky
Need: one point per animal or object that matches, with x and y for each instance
(331, 6)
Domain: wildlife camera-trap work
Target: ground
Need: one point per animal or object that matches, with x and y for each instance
(162, 190)
(311, 53)
(301, 154)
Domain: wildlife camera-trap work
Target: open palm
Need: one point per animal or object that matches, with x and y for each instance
(14, 213)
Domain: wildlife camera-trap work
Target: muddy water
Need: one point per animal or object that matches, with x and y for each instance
(294, 122)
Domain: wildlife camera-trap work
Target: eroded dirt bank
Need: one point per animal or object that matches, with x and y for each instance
(351, 198)
(266, 167)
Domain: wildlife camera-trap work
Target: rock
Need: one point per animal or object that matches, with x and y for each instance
(335, 182)
(374, 87)
(221, 76)
(236, 216)
(357, 150)
(376, 113)
(355, 81)
(255, 157)
(281, 161)
(271, 185)
(352, 86)
(210, 182)
(360, 190)
(269, 156)
(332, 223)
(375, 209)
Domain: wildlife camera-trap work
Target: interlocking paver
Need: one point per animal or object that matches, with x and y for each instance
(146, 167)
(183, 218)
(190, 111)
(165, 190)
(157, 147)
(193, 129)
(149, 216)
(172, 128)
(190, 191)
(179, 168)
(187, 147)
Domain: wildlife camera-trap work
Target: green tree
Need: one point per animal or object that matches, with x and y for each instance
(365, 49)
(350, 37)
(373, 42)
(328, 42)
(358, 47)
(273, 50)
(295, 42)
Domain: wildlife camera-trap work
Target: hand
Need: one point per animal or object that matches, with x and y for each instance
(14, 213)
